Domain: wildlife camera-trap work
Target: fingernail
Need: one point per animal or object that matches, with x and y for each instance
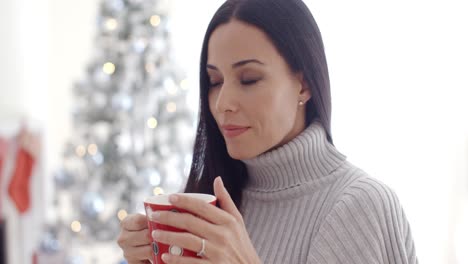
(173, 198)
(221, 179)
(155, 234)
(165, 257)
(155, 215)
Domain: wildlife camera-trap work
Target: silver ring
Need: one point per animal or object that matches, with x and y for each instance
(201, 253)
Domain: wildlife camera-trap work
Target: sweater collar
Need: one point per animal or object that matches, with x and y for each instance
(306, 158)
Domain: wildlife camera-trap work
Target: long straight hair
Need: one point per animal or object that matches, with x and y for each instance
(293, 31)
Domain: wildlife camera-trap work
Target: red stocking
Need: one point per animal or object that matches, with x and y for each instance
(18, 189)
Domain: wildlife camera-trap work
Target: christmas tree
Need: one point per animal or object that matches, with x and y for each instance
(132, 129)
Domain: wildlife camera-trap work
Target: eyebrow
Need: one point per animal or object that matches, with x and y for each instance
(237, 64)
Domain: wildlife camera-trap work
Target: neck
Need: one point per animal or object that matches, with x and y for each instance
(306, 158)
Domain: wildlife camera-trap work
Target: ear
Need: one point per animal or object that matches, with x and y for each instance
(305, 93)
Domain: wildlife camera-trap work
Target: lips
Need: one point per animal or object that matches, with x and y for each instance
(231, 131)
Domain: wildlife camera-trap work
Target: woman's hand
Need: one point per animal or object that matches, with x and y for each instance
(134, 239)
(226, 239)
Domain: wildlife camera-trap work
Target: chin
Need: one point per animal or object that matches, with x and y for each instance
(238, 154)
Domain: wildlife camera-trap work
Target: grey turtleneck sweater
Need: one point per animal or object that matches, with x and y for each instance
(305, 203)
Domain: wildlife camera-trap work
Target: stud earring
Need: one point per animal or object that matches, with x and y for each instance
(301, 103)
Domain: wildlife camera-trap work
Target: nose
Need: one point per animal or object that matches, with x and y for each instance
(227, 99)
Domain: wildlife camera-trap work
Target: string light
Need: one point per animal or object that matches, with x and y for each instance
(158, 191)
(155, 20)
(111, 23)
(122, 214)
(152, 122)
(150, 67)
(184, 84)
(171, 107)
(80, 151)
(75, 226)
(92, 149)
(108, 68)
(172, 90)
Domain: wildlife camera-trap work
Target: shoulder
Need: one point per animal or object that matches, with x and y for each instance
(357, 200)
(366, 224)
(367, 192)
(369, 208)
(361, 200)
(367, 199)
(353, 187)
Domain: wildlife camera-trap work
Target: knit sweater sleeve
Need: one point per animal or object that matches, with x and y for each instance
(366, 225)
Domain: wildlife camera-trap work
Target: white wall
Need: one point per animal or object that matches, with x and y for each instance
(398, 72)
(10, 66)
(23, 27)
(43, 49)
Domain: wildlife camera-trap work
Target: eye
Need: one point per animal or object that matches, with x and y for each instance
(214, 81)
(214, 84)
(248, 82)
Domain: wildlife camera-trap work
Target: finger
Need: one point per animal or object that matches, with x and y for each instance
(172, 259)
(136, 254)
(184, 240)
(134, 238)
(224, 198)
(188, 222)
(134, 222)
(201, 208)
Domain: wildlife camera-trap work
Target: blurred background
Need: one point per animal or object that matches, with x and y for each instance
(99, 100)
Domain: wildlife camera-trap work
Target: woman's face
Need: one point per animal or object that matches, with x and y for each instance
(252, 86)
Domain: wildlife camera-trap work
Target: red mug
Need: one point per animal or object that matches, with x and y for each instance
(161, 203)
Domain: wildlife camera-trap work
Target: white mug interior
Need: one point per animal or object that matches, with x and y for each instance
(163, 199)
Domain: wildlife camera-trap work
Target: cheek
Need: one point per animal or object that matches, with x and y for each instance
(277, 114)
(263, 111)
(276, 106)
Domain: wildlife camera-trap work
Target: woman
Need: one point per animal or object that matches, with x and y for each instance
(288, 195)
